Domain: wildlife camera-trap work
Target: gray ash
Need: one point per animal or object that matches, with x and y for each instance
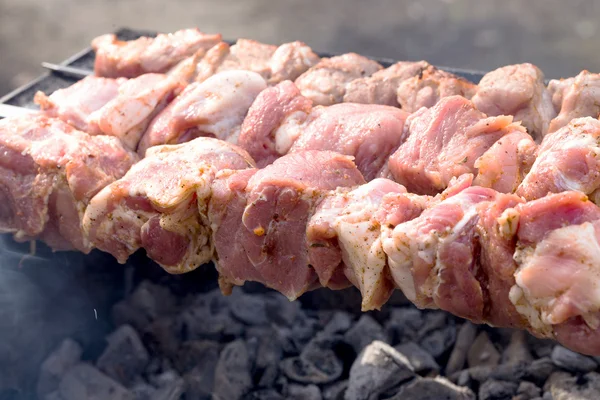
(89, 328)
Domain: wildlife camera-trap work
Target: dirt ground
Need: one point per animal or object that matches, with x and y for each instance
(557, 35)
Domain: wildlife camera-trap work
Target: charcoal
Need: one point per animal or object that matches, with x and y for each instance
(517, 350)
(157, 365)
(250, 309)
(365, 331)
(270, 346)
(432, 321)
(317, 367)
(269, 376)
(464, 339)
(403, 324)
(439, 341)
(163, 336)
(233, 372)
(528, 390)
(50, 396)
(512, 372)
(335, 391)
(463, 378)
(164, 378)
(340, 322)
(421, 361)
(547, 396)
(172, 390)
(539, 370)
(143, 391)
(199, 382)
(295, 337)
(263, 394)
(197, 352)
(564, 386)
(433, 388)
(146, 303)
(83, 381)
(540, 347)
(572, 361)
(125, 357)
(280, 310)
(378, 368)
(303, 392)
(483, 352)
(493, 389)
(200, 321)
(56, 364)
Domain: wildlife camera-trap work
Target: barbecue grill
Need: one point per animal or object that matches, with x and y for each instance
(177, 337)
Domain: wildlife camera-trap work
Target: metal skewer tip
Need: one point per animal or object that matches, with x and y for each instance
(67, 71)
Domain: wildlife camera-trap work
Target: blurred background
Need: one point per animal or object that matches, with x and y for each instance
(559, 36)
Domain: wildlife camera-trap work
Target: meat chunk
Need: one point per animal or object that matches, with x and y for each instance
(368, 132)
(75, 103)
(271, 108)
(274, 64)
(281, 120)
(160, 205)
(432, 257)
(579, 98)
(447, 141)
(382, 86)
(558, 256)
(517, 90)
(274, 205)
(49, 173)
(568, 159)
(128, 114)
(429, 86)
(215, 107)
(344, 236)
(325, 83)
(129, 59)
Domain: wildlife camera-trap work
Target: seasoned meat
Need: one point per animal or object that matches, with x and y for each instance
(580, 97)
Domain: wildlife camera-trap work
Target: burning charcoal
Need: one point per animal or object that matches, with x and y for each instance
(301, 392)
(403, 324)
(571, 361)
(263, 394)
(566, 387)
(421, 361)
(83, 381)
(439, 341)
(270, 346)
(464, 340)
(125, 357)
(199, 382)
(143, 391)
(55, 366)
(250, 309)
(365, 331)
(433, 388)
(335, 391)
(483, 352)
(539, 370)
(146, 303)
(340, 322)
(201, 321)
(232, 374)
(517, 350)
(378, 368)
(163, 336)
(528, 390)
(497, 390)
(197, 352)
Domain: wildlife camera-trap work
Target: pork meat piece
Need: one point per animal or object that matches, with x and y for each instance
(325, 83)
(429, 86)
(75, 103)
(49, 173)
(115, 58)
(216, 107)
(160, 205)
(432, 258)
(128, 114)
(581, 98)
(568, 159)
(558, 257)
(447, 141)
(260, 219)
(274, 64)
(344, 236)
(274, 106)
(517, 90)
(556, 88)
(382, 86)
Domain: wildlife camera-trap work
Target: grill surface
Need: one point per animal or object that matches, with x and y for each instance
(49, 82)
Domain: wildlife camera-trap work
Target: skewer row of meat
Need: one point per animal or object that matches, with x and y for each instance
(361, 194)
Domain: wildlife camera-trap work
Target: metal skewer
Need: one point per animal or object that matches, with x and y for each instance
(71, 72)
(7, 111)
